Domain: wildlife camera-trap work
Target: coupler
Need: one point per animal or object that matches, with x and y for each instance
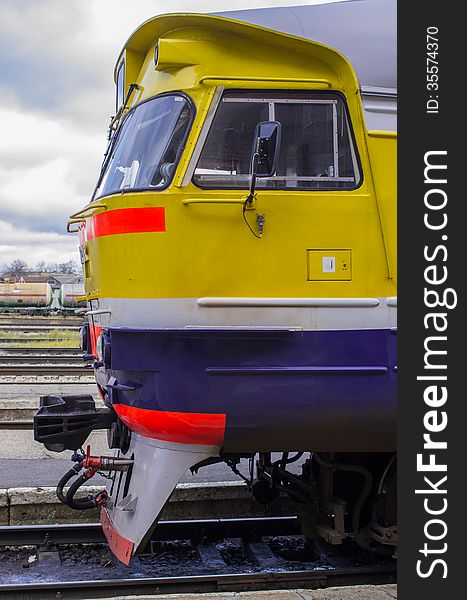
(65, 422)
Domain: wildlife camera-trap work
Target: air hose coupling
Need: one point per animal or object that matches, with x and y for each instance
(92, 464)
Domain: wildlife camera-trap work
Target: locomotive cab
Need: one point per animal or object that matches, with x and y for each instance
(239, 262)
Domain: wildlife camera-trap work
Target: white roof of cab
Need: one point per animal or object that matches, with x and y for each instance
(364, 31)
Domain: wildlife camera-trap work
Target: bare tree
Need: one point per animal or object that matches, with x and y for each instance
(41, 267)
(16, 267)
(20, 267)
(68, 267)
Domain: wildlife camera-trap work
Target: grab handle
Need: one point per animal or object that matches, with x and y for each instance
(83, 214)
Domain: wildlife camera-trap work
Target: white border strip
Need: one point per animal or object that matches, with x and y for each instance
(248, 312)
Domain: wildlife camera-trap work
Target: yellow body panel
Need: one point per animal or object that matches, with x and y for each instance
(206, 249)
(382, 148)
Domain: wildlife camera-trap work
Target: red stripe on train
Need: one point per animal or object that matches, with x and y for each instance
(125, 220)
(94, 333)
(180, 427)
(82, 234)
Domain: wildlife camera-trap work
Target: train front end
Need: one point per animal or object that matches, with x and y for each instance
(224, 320)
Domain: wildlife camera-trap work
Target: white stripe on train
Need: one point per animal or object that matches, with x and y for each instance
(290, 313)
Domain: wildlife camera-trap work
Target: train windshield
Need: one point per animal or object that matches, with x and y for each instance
(317, 151)
(148, 146)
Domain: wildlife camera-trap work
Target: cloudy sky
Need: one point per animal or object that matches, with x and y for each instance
(56, 99)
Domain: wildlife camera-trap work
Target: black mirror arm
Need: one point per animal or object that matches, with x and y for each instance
(254, 164)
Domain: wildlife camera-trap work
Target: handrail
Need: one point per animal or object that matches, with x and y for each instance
(240, 201)
(99, 311)
(70, 223)
(215, 80)
(81, 215)
(220, 301)
(91, 295)
(382, 134)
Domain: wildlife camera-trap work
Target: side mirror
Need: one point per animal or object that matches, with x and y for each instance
(266, 145)
(265, 152)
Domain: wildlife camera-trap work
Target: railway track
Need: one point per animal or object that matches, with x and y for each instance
(36, 378)
(105, 588)
(39, 360)
(22, 370)
(48, 321)
(91, 533)
(38, 328)
(43, 361)
(30, 352)
(17, 340)
(203, 556)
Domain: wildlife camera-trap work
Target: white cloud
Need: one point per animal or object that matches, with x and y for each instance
(33, 247)
(47, 169)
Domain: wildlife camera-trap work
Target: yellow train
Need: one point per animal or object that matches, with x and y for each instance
(239, 255)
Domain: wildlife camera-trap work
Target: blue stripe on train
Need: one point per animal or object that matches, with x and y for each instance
(281, 390)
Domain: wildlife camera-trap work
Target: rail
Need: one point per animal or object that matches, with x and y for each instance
(27, 350)
(16, 425)
(16, 340)
(28, 327)
(21, 535)
(45, 370)
(266, 569)
(200, 583)
(37, 319)
(29, 360)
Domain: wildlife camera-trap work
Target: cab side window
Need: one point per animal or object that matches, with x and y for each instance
(317, 150)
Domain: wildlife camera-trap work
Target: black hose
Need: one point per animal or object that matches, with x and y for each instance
(287, 461)
(79, 503)
(65, 479)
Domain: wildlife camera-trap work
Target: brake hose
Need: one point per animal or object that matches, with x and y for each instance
(76, 503)
(81, 503)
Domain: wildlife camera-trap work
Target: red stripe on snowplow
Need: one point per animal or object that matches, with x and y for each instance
(125, 220)
(180, 427)
(120, 546)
